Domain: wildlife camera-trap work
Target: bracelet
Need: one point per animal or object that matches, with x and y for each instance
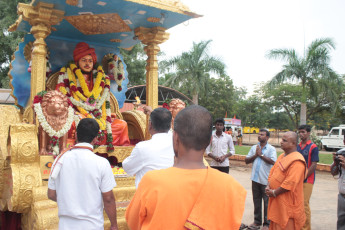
(274, 194)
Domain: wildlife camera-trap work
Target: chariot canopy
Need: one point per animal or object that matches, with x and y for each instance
(54, 27)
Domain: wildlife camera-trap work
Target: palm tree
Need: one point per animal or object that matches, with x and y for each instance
(306, 70)
(193, 68)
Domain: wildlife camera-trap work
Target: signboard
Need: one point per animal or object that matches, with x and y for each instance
(232, 121)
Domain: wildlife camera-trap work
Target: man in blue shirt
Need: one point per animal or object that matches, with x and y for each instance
(263, 157)
(310, 153)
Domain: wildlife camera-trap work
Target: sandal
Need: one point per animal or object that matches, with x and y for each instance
(243, 226)
(254, 227)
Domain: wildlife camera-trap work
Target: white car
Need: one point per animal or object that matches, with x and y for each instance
(334, 139)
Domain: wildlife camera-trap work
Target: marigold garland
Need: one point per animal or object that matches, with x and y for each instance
(92, 104)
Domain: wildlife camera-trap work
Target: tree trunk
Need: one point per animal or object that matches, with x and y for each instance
(195, 99)
(303, 115)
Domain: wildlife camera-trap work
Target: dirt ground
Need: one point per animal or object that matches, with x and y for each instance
(323, 202)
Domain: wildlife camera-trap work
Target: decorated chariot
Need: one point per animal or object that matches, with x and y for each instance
(73, 47)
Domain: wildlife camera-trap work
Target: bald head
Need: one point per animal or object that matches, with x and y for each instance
(292, 136)
(289, 142)
(194, 127)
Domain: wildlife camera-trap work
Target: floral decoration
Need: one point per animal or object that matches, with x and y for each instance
(116, 71)
(55, 135)
(91, 104)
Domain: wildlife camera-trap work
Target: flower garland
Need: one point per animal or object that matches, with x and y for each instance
(116, 71)
(94, 104)
(55, 135)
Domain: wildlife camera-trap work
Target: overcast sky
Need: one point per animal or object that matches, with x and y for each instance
(244, 30)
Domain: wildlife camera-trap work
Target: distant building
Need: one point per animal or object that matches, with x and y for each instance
(5, 97)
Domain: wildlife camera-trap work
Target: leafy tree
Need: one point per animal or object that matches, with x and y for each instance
(193, 69)
(306, 70)
(321, 109)
(254, 112)
(284, 96)
(135, 60)
(8, 40)
(220, 98)
(280, 121)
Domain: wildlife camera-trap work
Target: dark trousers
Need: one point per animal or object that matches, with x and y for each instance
(341, 212)
(258, 191)
(222, 169)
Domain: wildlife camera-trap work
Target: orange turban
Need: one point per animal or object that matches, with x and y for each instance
(81, 50)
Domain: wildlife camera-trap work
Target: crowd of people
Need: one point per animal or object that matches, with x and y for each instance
(175, 189)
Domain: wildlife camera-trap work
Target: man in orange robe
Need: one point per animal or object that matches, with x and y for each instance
(85, 58)
(285, 187)
(188, 195)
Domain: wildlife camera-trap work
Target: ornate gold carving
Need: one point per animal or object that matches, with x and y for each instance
(125, 181)
(72, 2)
(98, 24)
(151, 37)
(8, 115)
(52, 81)
(23, 143)
(173, 6)
(116, 40)
(24, 171)
(24, 178)
(40, 193)
(41, 17)
(153, 19)
(123, 193)
(2, 179)
(28, 115)
(28, 51)
(6, 190)
(120, 152)
(114, 107)
(43, 213)
(15, 25)
(136, 121)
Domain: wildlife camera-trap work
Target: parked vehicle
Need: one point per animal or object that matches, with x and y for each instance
(334, 139)
(248, 129)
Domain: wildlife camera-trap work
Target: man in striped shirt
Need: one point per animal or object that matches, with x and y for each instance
(310, 153)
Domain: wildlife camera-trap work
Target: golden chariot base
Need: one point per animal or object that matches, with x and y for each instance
(24, 174)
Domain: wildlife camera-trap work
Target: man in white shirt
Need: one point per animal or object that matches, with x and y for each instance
(80, 182)
(220, 148)
(156, 153)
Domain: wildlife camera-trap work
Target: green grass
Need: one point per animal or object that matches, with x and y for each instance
(324, 158)
(242, 150)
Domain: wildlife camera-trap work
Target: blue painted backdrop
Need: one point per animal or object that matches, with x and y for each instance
(61, 52)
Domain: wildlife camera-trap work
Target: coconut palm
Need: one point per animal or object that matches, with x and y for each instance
(193, 69)
(307, 70)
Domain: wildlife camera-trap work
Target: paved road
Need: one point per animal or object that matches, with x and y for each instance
(323, 201)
